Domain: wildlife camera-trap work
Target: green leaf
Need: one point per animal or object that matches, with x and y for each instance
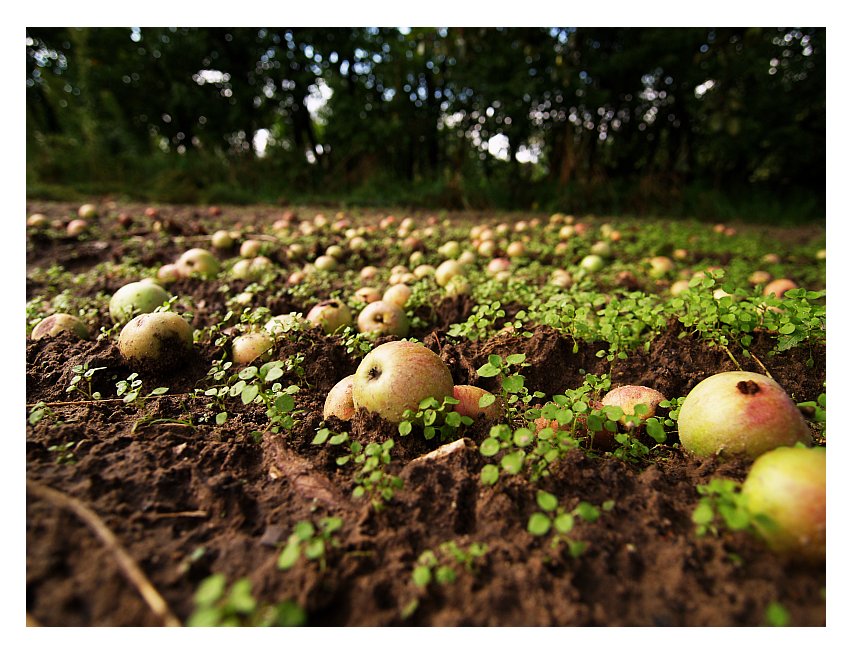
(577, 548)
(445, 575)
(489, 447)
(655, 430)
(564, 523)
(239, 598)
(495, 360)
(284, 403)
(290, 554)
(249, 393)
(703, 514)
(321, 436)
(515, 359)
(210, 590)
(315, 549)
(421, 576)
(488, 370)
(513, 383)
(221, 418)
(588, 512)
(486, 400)
(159, 391)
(304, 530)
(512, 463)
(539, 524)
(404, 428)
(523, 437)
(489, 474)
(339, 438)
(776, 615)
(273, 373)
(546, 501)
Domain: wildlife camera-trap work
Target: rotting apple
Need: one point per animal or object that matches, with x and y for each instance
(739, 414)
(383, 318)
(339, 402)
(786, 487)
(397, 376)
(330, 315)
(251, 346)
(57, 323)
(198, 261)
(141, 296)
(158, 341)
(469, 397)
(168, 273)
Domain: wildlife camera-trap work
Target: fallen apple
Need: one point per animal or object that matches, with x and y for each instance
(339, 402)
(469, 397)
(158, 341)
(629, 397)
(787, 486)
(330, 315)
(198, 261)
(739, 414)
(397, 376)
(383, 318)
(137, 296)
(57, 323)
(250, 346)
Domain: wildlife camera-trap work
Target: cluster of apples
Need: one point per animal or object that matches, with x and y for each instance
(749, 415)
(397, 376)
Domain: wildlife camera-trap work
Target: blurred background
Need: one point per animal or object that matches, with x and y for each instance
(712, 123)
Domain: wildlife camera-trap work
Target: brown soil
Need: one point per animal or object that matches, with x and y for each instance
(187, 498)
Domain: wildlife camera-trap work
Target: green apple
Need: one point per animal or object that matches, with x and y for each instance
(138, 296)
(787, 486)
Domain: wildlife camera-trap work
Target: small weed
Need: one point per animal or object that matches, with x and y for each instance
(444, 565)
(512, 385)
(82, 381)
(312, 543)
(131, 390)
(563, 521)
(65, 452)
(435, 418)
(723, 505)
(215, 605)
(372, 479)
(39, 412)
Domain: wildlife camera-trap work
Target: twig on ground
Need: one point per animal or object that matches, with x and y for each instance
(128, 566)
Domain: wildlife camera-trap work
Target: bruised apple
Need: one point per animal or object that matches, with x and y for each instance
(57, 323)
(739, 414)
(339, 402)
(330, 315)
(787, 486)
(469, 397)
(156, 340)
(396, 376)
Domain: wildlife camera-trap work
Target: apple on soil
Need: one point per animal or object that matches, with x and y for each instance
(382, 318)
(739, 414)
(339, 402)
(787, 486)
(469, 397)
(397, 376)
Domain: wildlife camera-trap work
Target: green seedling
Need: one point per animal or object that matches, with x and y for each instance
(216, 605)
(435, 418)
(722, 506)
(310, 542)
(65, 452)
(372, 479)
(555, 517)
(82, 381)
(131, 390)
(514, 394)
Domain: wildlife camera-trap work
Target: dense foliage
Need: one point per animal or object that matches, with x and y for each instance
(694, 121)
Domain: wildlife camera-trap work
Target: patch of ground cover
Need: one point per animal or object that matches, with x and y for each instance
(188, 497)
